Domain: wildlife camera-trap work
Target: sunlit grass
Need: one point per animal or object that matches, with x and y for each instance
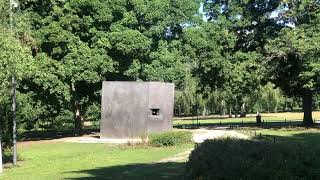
(73, 160)
(250, 118)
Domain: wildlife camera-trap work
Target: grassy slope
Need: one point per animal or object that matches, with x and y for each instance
(77, 161)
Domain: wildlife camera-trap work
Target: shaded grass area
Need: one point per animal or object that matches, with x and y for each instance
(51, 134)
(152, 171)
(294, 155)
(59, 160)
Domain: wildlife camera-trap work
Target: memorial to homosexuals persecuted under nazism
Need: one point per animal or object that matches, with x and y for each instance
(135, 109)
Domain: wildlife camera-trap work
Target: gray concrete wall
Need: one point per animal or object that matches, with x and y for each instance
(126, 108)
(123, 110)
(161, 95)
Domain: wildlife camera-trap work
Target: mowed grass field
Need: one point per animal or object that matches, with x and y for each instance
(300, 135)
(60, 160)
(250, 118)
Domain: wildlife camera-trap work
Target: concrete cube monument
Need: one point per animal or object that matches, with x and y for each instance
(135, 109)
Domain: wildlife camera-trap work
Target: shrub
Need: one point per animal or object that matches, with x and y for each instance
(170, 138)
(245, 159)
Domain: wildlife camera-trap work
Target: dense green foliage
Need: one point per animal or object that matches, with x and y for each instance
(247, 159)
(294, 54)
(230, 56)
(170, 138)
(15, 59)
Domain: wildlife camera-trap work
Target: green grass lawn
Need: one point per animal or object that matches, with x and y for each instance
(294, 117)
(58, 160)
(85, 161)
(300, 135)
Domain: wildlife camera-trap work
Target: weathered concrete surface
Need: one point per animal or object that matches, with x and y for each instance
(161, 96)
(126, 108)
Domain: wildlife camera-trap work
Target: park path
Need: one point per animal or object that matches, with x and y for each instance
(200, 135)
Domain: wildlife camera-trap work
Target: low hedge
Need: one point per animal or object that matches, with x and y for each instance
(231, 159)
(170, 138)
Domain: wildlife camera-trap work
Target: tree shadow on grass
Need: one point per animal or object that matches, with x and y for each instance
(51, 134)
(152, 171)
(294, 156)
(309, 154)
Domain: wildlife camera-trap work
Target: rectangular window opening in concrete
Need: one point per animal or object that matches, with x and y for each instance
(155, 112)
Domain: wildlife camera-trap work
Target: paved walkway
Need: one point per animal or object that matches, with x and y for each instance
(200, 135)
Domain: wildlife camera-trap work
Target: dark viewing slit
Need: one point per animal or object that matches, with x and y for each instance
(155, 112)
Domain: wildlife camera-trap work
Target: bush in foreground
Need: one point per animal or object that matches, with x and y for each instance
(170, 138)
(245, 159)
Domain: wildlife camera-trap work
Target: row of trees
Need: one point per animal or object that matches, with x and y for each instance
(229, 55)
(267, 98)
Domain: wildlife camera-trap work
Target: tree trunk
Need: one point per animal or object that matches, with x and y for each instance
(243, 110)
(14, 122)
(236, 111)
(284, 107)
(307, 108)
(222, 112)
(222, 108)
(204, 112)
(230, 112)
(78, 120)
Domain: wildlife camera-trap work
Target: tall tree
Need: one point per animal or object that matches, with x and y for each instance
(251, 24)
(250, 20)
(294, 55)
(82, 42)
(15, 60)
(7, 9)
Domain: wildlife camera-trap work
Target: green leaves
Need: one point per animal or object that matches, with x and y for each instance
(295, 56)
(14, 58)
(130, 42)
(85, 64)
(79, 43)
(49, 76)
